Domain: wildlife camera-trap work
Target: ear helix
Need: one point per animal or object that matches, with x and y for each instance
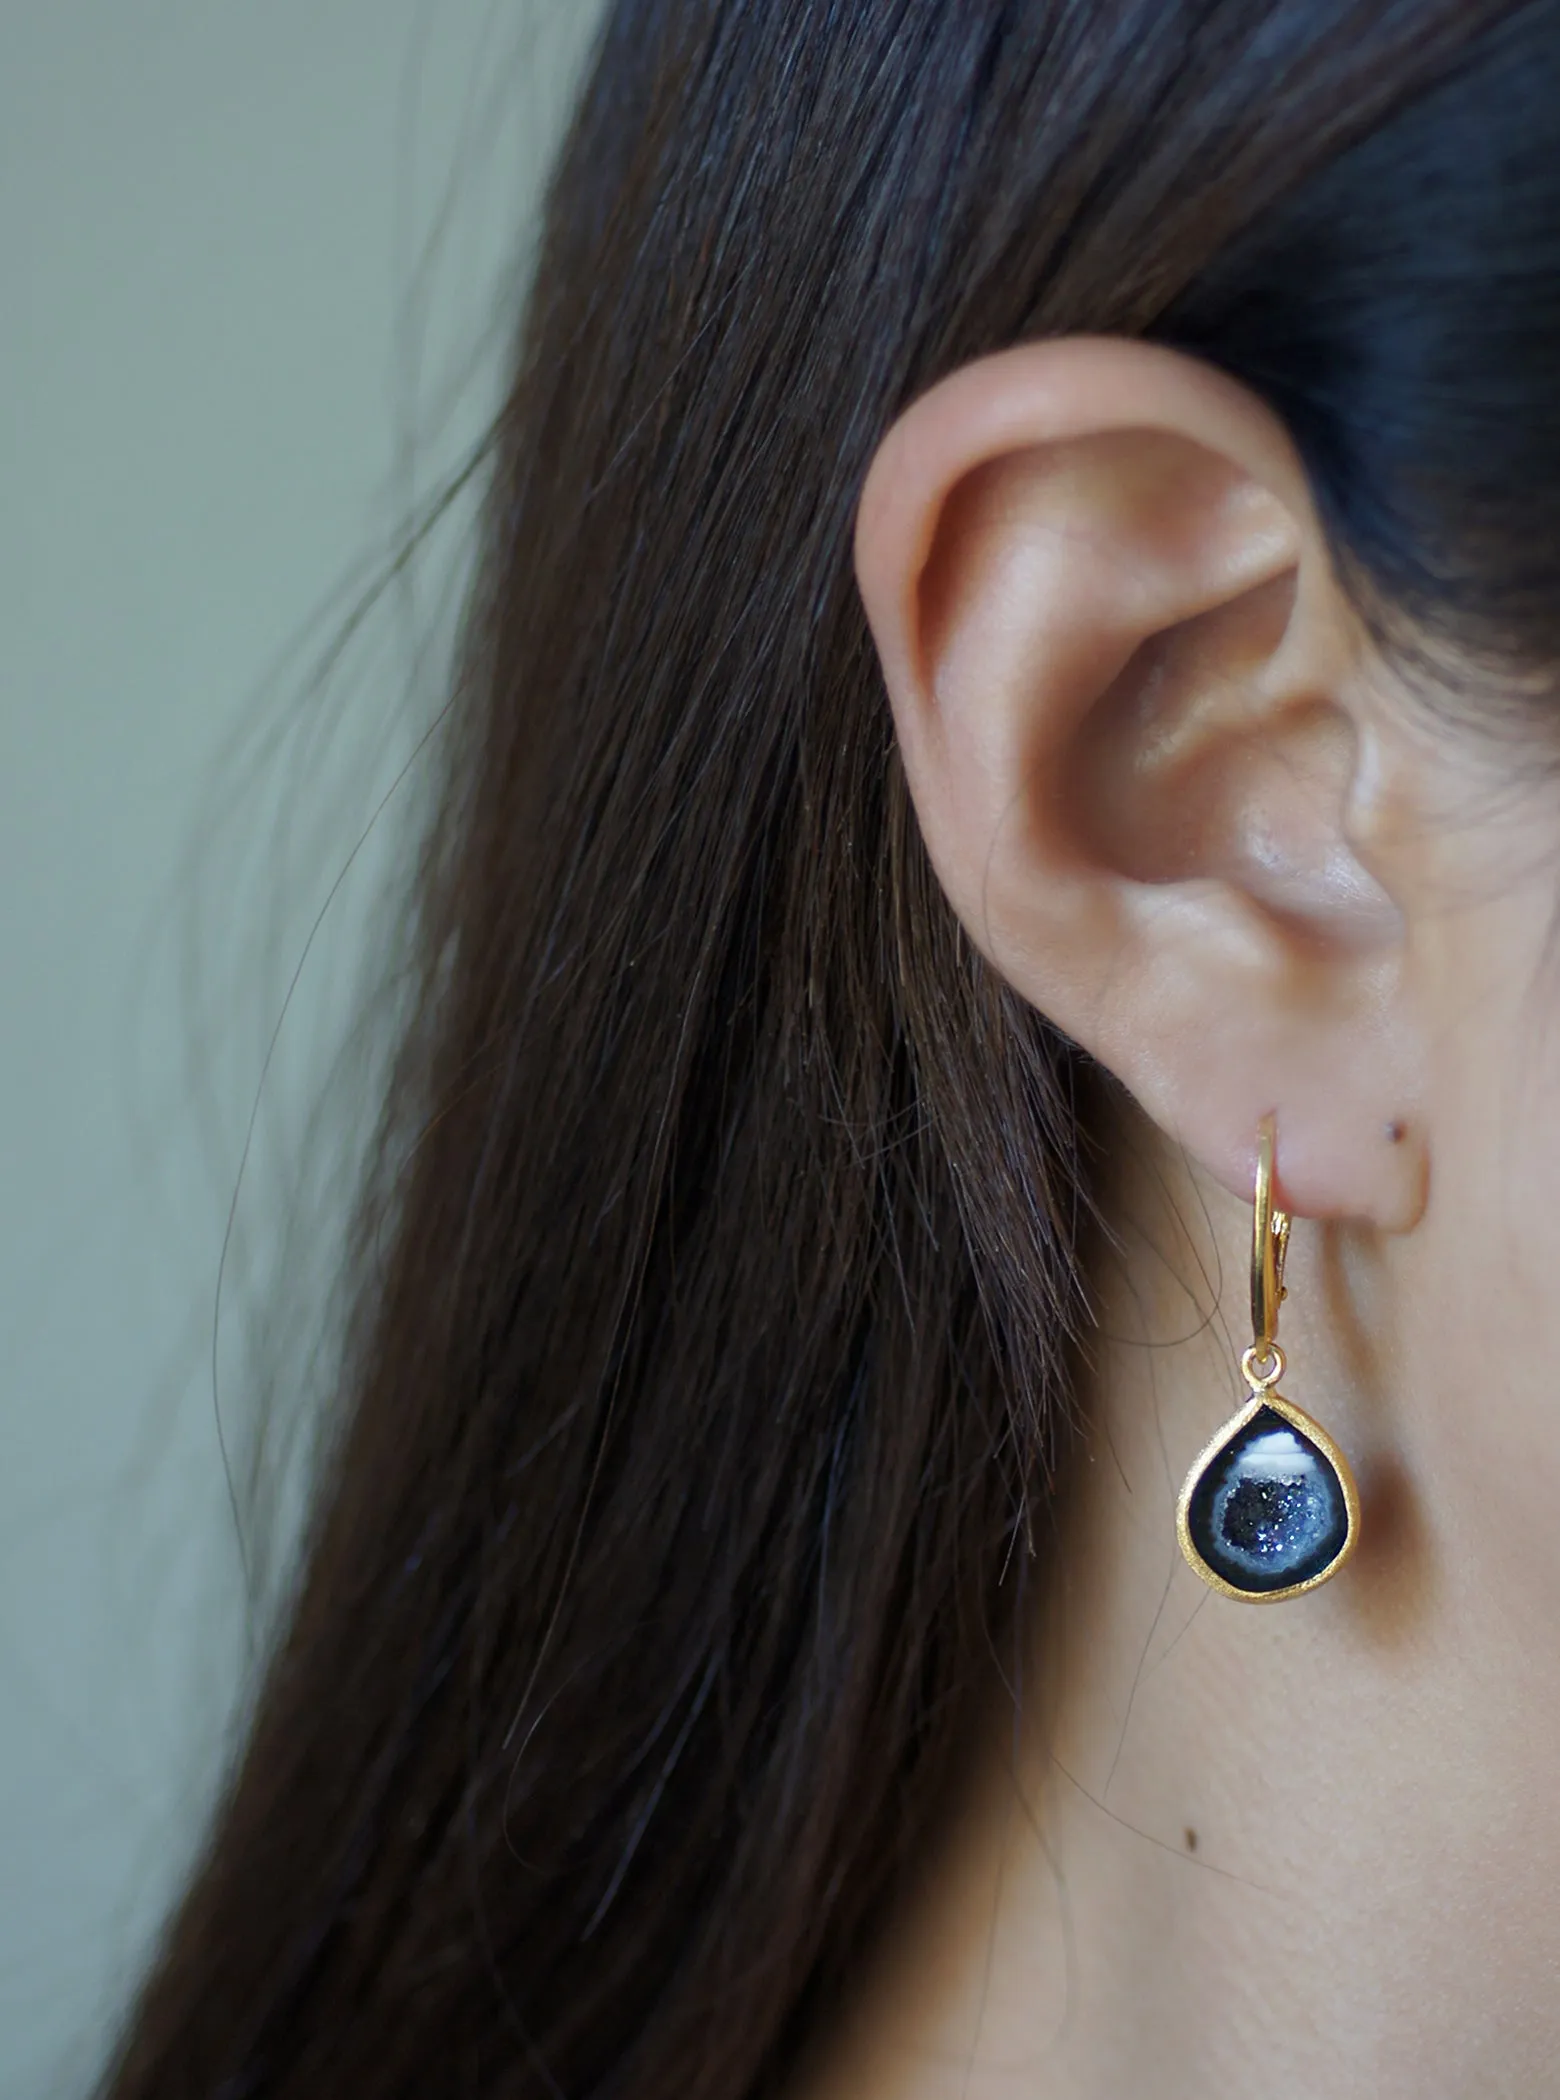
(1269, 1509)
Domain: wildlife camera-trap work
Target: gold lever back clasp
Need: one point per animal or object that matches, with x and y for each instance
(1269, 1250)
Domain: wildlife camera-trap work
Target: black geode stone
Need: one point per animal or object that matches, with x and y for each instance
(1268, 1510)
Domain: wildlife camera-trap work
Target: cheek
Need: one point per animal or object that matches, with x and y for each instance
(1478, 1341)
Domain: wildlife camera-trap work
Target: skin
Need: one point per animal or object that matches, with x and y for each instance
(1308, 1848)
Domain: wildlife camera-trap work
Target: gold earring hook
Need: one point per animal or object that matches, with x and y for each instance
(1269, 1250)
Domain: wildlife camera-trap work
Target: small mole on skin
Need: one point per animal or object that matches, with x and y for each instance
(1191, 1841)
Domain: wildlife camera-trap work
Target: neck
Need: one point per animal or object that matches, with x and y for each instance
(1305, 1848)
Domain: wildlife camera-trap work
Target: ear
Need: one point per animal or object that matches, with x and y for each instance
(1124, 682)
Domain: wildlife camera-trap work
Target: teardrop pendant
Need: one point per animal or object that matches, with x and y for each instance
(1269, 1509)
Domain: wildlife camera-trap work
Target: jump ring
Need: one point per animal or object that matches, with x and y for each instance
(1260, 1379)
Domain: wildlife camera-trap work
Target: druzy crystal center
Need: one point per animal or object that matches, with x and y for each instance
(1268, 1510)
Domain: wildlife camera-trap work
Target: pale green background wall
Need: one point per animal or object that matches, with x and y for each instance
(210, 353)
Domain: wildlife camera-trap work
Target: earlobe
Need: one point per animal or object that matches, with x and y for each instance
(1122, 677)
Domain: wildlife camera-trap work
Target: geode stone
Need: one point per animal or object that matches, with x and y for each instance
(1268, 1510)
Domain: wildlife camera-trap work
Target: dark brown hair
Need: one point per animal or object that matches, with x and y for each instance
(719, 1272)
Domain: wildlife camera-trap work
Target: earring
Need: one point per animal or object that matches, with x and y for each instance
(1269, 1509)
